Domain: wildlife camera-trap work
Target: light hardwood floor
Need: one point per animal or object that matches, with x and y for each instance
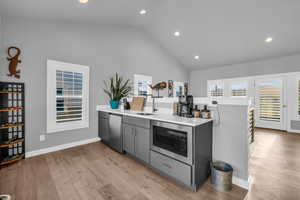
(275, 166)
(93, 171)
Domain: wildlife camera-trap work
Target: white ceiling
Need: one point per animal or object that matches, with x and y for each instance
(220, 32)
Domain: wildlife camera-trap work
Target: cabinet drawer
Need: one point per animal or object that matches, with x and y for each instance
(137, 121)
(103, 114)
(171, 167)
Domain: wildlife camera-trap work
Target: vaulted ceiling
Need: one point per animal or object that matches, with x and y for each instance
(219, 32)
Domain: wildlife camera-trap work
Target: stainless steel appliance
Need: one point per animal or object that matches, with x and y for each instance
(172, 140)
(110, 130)
(185, 106)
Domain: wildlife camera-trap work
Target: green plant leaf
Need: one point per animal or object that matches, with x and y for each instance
(116, 88)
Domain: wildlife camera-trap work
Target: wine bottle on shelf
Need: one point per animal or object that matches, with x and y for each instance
(9, 102)
(15, 133)
(10, 119)
(15, 89)
(20, 99)
(10, 151)
(20, 134)
(10, 134)
(20, 148)
(15, 149)
(20, 119)
(15, 101)
(9, 88)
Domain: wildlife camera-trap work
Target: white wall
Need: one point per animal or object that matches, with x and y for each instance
(198, 78)
(106, 49)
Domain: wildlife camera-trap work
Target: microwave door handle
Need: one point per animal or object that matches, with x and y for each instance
(176, 133)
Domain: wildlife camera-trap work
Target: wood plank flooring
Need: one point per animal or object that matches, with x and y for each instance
(93, 172)
(275, 166)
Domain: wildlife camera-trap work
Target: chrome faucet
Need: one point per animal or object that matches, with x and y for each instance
(153, 104)
(153, 99)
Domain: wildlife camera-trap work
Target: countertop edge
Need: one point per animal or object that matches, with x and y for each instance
(153, 117)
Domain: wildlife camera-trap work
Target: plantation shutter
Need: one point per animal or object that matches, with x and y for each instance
(216, 89)
(239, 89)
(270, 101)
(68, 96)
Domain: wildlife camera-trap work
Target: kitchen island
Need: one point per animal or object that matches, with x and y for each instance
(177, 147)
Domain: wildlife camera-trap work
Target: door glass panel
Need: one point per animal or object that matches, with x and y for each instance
(270, 100)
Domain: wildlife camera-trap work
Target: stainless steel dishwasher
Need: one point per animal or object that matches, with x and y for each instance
(115, 139)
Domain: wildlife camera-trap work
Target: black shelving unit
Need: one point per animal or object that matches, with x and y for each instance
(12, 122)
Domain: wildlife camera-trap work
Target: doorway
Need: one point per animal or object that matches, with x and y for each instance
(269, 103)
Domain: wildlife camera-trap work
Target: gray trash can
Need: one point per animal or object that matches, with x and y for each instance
(5, 197)
(221, 176)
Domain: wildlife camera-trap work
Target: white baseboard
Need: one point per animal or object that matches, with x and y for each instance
(60, 147)
(242, 183)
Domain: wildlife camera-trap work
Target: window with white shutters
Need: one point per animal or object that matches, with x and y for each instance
(270, 101)
(67, 96)
(215, 89)
(239, 88)
(141, 85)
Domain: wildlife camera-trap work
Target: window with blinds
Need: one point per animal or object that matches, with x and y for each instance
(239, 89)
(141, 85)
(68, 96)
(215, 89)
(270, 101)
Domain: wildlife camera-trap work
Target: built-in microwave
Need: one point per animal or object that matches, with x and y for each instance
(172, 140)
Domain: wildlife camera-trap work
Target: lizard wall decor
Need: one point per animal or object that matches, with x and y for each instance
(13, 62)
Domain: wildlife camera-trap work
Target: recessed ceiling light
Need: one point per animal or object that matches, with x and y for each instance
(177, 33)
(196, 57)
(268, 39)
(83, 1)
(142, 12)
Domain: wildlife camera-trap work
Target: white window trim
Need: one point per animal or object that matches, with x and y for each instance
(52, 125)
(136, 78)
(175, 85)
(219, 82)
(237, 80)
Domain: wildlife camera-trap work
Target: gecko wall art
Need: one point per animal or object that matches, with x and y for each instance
(13, 62)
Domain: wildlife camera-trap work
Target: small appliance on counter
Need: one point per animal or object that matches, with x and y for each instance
(205, 113)
(196, 112)
(185, 106)
(126, 104)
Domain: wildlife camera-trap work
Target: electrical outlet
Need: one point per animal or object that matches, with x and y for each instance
(42, 138)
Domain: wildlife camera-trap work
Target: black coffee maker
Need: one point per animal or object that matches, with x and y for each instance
(185, 104)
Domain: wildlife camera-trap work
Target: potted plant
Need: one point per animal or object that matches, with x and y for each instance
(116, 88)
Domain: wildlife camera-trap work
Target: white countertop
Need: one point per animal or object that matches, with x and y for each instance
(164, 117)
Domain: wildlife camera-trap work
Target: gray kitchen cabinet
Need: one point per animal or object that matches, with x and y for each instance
(136, 139)
(103, 129)
(171, 167)
(142, 143)
(128, 138)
